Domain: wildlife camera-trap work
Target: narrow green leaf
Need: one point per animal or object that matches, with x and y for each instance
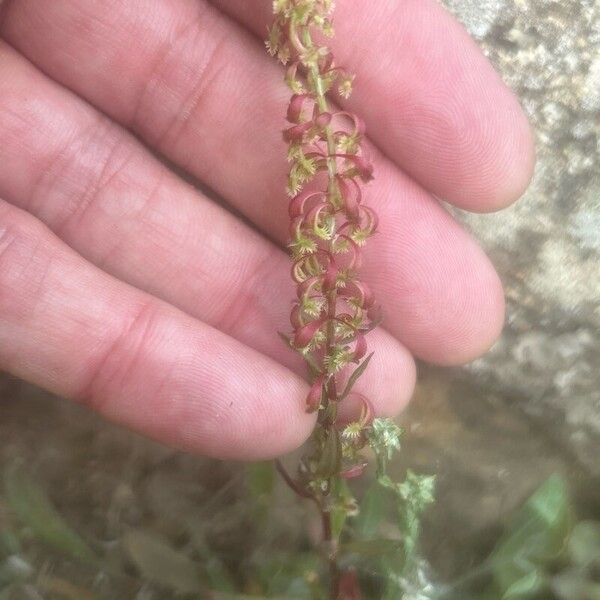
(343, 508)
(372, 512)
(158, 562)
(355, 375)
(33, 509)
(537, 536)
(339, 516)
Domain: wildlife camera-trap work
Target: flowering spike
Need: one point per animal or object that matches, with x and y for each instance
(329, 224)
(325, 221)
(334, 310)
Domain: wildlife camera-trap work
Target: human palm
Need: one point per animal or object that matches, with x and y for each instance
(125, 287)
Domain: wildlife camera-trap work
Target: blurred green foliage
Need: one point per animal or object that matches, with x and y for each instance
(545, 553)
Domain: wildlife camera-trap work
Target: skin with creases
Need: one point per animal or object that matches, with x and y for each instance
(123, 286)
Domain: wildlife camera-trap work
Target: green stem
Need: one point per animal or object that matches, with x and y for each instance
(332, 393)
(319, 89)
(331, 548)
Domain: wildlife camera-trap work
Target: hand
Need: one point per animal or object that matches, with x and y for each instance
(124, 287)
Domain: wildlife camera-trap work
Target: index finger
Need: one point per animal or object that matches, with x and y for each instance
(431, 100)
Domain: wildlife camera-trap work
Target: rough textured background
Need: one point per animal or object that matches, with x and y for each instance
(547, 246)
(531, 407)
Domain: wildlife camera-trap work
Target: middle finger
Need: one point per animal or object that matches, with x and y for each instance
(201, 90)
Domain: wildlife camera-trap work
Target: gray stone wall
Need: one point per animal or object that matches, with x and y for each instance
(547, 246)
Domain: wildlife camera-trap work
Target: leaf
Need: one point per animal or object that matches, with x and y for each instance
(537, 536)
(584, 543)
(372, 511)
(344, 507)
(33, 509)
(158, 562)
(355, 375)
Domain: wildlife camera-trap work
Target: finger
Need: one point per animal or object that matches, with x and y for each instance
(431, 100)
(78, 332)
(444, 302)
(110, 200)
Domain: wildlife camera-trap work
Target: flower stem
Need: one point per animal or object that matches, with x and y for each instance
(319, 88)
(331, 397)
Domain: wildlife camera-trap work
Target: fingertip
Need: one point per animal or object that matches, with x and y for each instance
(390, 378)
(268, 422)
(402, 378)
(511, 165)
(523, 165)
(287, 427)
(445, 300)
(479, 322)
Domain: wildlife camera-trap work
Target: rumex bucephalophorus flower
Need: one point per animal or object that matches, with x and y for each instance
(329, 220)
(330, 223)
